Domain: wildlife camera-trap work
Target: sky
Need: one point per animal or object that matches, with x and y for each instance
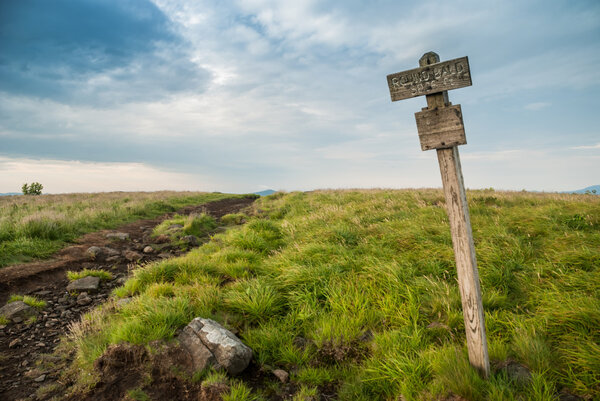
(242, 96)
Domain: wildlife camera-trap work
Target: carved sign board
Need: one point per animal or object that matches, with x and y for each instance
(441, 127)
(434, 78)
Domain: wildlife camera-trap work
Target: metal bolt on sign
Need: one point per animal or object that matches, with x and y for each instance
(440, 126)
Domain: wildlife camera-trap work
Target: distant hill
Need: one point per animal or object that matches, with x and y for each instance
(587, 190)
(265, 192)
(10, 193)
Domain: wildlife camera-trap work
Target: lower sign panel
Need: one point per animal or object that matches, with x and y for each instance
(441, 128)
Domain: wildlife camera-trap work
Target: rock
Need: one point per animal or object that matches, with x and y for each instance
(17, 311)
(165, 255)
(282, 375)
(83, 299)
(190, 240)
(118, 236)
(518, 372)
(40, 379)
(162, 239)
(112, 259)
(210, 344)
(123, 301)
(148, 249)
(94, 252)
(14, 343)
(86, 284)
(42, 293)
(132, 256)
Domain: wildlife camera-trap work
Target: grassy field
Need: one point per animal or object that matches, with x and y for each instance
(356, 291)
(34, 227)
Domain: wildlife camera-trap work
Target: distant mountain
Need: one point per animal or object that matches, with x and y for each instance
(587, 190)
(10, 193)
(265, 192)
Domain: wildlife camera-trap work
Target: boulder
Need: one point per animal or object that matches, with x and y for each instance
(210, 344)
(86, 284)
(118, 236)
(17, 311)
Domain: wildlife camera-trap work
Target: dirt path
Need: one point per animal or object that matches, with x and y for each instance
(21, 344)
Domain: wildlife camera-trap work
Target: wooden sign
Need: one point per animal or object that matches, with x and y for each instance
(440, 126)
(430, 79)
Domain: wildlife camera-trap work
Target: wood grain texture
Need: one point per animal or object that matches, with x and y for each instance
(430, 78)
(466, 262)
(441, 127)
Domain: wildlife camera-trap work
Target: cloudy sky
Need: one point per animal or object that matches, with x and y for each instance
(240, 96)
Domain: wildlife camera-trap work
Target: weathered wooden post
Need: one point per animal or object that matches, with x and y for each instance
(440, 126)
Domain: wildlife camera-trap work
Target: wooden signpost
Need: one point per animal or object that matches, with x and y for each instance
(440, 126)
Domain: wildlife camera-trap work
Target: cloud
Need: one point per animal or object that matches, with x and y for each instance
(537, 106)
(596, 146)
(59, 176)
(93, 52)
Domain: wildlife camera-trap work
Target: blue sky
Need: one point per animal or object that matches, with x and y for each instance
(99, 95)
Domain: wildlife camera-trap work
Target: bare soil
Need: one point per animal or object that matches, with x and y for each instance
(24, 345)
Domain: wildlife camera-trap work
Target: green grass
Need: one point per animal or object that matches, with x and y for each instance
(34, 227)
(356, 291)
(4, 320)
(101, 274)
(198, 225)
(29, 300)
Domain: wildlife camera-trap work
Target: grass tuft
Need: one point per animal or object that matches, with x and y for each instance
(101, 274)
(29, 300)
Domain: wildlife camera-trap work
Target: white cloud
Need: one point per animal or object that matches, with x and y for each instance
(59, 176)
(596, 146)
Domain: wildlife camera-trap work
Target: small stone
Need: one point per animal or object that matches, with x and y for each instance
(44, 292)
(2, 326)
(17, 319)
(148, 249)
(83, 299)
(40, 344)
(190, 240)
(132, 256)
(40, 379)
(282, 375)
(123, 301)
(118, 236)
(94, 252)
(162, 239)
(112, 259)
(14, 343)
(87, 284)
(175, 227)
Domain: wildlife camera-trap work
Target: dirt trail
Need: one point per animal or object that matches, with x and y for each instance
(21, 345)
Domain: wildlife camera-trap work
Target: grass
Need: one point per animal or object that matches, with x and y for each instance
(356, 291)
(101, 274)
(34, 227)
(198, 225)
(29, 300)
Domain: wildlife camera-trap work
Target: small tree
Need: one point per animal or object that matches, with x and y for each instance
(35, 188)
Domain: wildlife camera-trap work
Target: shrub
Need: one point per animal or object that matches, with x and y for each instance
(35, 188)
